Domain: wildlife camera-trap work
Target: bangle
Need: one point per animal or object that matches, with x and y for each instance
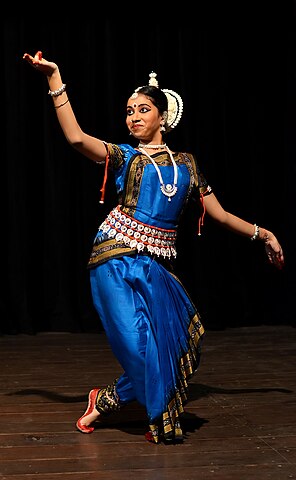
(256, 233)
(61, 104)
(59, 91)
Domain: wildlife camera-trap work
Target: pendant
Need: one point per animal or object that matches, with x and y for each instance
(168, 190)
(168, 187)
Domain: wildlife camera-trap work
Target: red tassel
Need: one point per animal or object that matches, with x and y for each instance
(105, 179)
(201, 218)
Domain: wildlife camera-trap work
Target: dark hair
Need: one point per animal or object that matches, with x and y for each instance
(157, 97)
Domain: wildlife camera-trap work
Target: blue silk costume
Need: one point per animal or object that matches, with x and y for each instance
(152, 326)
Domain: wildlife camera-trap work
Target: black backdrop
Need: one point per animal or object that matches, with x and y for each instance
(235, 70)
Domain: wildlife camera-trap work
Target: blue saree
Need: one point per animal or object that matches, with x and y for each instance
(152, 326)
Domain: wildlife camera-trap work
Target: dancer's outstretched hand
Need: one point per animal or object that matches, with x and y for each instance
(39, 63)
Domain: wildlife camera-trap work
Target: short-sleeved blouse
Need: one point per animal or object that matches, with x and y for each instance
(145, 220)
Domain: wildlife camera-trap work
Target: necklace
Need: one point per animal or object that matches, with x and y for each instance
(168, 190)
(152, 145)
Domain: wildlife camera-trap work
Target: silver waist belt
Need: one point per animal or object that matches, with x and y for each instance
(138, 235)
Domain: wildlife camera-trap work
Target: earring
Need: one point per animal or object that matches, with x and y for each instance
(162, 123)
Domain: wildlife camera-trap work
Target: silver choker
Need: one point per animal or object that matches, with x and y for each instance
(152, 145)
(169, 190)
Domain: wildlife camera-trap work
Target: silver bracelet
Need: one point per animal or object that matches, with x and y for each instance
(256, 233)
(59, 91)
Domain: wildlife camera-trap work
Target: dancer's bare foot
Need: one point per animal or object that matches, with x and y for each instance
(91, 415)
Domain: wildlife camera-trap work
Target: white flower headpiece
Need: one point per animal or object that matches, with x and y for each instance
(175, 103)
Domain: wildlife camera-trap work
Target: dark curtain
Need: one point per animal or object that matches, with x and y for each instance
(235, 70)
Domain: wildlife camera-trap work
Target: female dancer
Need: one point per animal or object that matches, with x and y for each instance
(151, 323)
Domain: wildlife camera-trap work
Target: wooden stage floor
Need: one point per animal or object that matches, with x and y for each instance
(240, 420)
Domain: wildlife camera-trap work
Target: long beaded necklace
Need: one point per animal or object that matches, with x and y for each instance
(169, 190)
